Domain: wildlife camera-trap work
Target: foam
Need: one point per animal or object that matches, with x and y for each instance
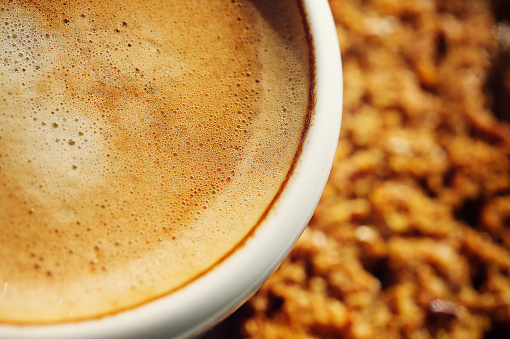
(139, 144)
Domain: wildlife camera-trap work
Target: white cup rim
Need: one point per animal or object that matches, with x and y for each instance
(210, 298)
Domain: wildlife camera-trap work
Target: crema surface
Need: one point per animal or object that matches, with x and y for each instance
(140, 143)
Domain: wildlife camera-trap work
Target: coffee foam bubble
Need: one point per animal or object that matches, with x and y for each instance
(139, 144)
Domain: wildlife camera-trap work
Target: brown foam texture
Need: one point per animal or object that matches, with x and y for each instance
(139, 143)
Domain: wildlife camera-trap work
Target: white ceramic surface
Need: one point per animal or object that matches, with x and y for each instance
(211, 298)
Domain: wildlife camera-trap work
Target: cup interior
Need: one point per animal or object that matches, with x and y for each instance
(207, 300)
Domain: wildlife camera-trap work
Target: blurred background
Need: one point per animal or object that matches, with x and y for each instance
(412, 236)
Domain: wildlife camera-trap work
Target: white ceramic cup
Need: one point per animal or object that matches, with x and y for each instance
(209, 299)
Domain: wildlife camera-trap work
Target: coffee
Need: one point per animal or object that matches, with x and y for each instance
(140, 144)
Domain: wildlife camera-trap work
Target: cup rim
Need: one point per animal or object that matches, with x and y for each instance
(212, 297)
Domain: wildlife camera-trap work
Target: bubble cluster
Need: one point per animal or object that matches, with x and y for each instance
(139, 143)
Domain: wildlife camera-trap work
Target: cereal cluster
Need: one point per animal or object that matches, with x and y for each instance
(412, 236)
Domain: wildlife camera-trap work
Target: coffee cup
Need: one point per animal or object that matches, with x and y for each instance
(209, 297)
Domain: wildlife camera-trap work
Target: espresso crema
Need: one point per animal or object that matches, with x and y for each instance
(140, 143)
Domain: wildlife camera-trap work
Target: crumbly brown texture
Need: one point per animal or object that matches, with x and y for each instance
(412, 236)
